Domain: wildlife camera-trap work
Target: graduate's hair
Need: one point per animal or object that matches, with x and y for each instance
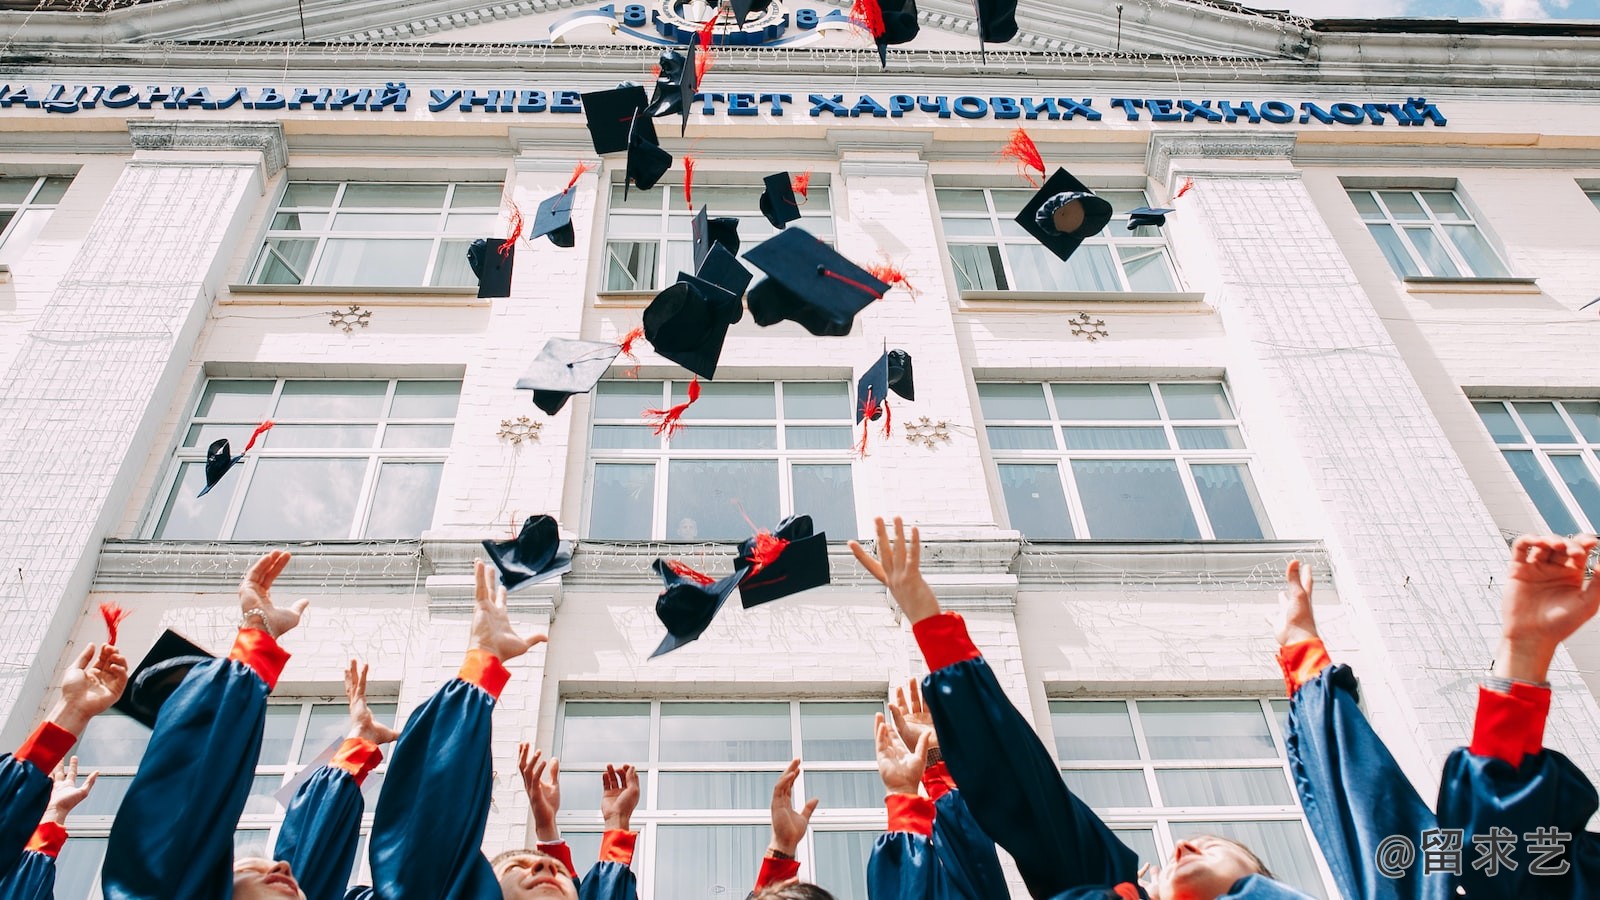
(1261, 867)
(792, 890)
(525, 851)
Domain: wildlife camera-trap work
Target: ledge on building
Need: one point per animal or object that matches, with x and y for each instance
(1032, 301)
(1420, 284)
(624, 299)
(320, 294)
(1234, 563)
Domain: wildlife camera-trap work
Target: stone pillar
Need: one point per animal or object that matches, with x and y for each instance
(1412, 544)
(97, 371)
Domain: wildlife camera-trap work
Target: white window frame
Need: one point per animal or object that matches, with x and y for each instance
(30, 204)
(376, 454)
(1433, 223)
(1005, 232)
(1184, 458)
(1587, 451)
(663, 453)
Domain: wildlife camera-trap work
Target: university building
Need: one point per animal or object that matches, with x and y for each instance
(1358, 341)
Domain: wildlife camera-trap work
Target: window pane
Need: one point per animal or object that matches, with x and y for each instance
(816, 400)
(581, 793)
(631, 265)
(1434, 258)
(1226, 438)
(626, 399)
(1092, 729)
(1036, 505)
(425, 399)
(1142, 841)
(1195, 400)
(1445, 206)
(978, 267)
(107, 795)
(1499, 422)
(24, 228)
(960, 200)
(826, 494)
(286, 261)
(111, 740)
(1281, 845)
(326, 726)
(730, 400)
(837, 731)
(452, 269)
(999, 400)
(1115, 438)
(841, 861)
(471, 224)
(1364, 203)
(54, 188)
(277, 738)
(625, 437)
(406, 437)
(78, 866)
(1531, 474)
(1147, 268)
(299, 221)
(260, 802)
(712, 498)
(708, 860)
(1206, 729)
(15, 189)
(1105, 401)
(1091, 268)
(963, 228)
(1580, 483)
(285, 437)
(1475, 249)
(844, 790)
(1105, 788)
(814, 437)
(1403, 205)
(301, 499)
(430, 196)
(403, 501)
(386, 221)
(1394, 250)
(605, 732)
(1134, 499)
(634, 199)
(226, 399)
(309, 193)
(373, 262)
(203, 435)
(1229, 496)
(1016, 437)
(1544, 423)
(715, 790)
(486, 194)
(344, 400)
(1586, 415)
(251, 842)
(190, 517)
(1224, 787)
(726, 437)
(726, 732)
(623, 501)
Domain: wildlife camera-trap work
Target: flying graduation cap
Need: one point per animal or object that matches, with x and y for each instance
(158, 675)
(554, 216)
(536, 554)
(647, 162)
(782, 562)
(220, 458)
(1063, 213)
(675, 85)
(997, 21)
(565, 367)
(1145, 215)
(743, 8)
(892, 372)
(778, 201)
(706, 231)
(888, 21)
(688, 322)
(689, 601)
(491, 260)
(810, 283)
(610, 116)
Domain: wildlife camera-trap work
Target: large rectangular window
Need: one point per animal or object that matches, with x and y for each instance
(373, 234)
(648, 241)
(1551, 445)
(345, 459)
(706, 770)
(1158, 771)
(991, 252)
(1122, 461)
(749, 452)
(297, 731)
(1427, 233)
(25, 206)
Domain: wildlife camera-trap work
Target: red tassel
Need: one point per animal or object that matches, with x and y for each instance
(263, 427)
(887, 417)
(577, 172)
(708, 30)
(669, 420)
(890, 274)
(655, 71)
(801, 184)
(684, 571)
(688, 180)
(702, 64)
(869, 409)
(626, 344)
(1022, 149)
(829, 273)
(516, 231)
(869, 15)
(767, 550)
(1188, 185)
(113, 614)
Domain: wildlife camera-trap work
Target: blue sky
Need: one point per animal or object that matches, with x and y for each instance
(1457, 9)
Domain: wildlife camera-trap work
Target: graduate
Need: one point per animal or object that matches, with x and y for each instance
(779, 875)
(1355, 796)
(1011, 782)
(34, 877)
(546, 869)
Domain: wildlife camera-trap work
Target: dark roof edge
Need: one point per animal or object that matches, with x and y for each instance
(1457, 26)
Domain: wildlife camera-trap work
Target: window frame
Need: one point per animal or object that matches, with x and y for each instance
(1401, 228)
(29, 203)
(1587, 451)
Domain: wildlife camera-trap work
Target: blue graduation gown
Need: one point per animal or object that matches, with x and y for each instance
(25, 788)
(956, 862)
(321, 832)
(33, 878)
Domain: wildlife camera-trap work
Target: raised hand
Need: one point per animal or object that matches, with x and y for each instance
(911, 718)
(900, 766)
(899, 567)
(789, 824)
(491, 623)
(65, 792)
(619, 796)
(1547, 598)
(544, 796)
(255, 596)
(362, 722)
(1295, 619)
(94, 681)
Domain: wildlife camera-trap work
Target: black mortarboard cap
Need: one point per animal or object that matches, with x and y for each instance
(1145, 215)
(646, 161)
(743, 8)
(900, 26)
(491, 259)
(997, 20)
(158, 675)
(610, 116)
(676, 82)
(801, 565)
(686, 326)
(554, 220)
(219, 459)
(565, 367)
(687, 607)
(892, 372)
(723, 279)
(777, 201)
(810, 283)
(536, 554)
(1064, 197)
(707, 231)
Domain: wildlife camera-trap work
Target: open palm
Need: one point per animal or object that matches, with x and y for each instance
(1547, 597)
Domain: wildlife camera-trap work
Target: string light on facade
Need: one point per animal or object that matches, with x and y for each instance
(928, 432)
(1088, 328)
(348, 319)
(520, 429)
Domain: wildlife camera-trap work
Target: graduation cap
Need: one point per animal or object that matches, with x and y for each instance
(997, 21)
(687, 324)
(689, 602)
(707, 231)
(786, 561)
(777, 201)
(900, 26)
(647, 162)
(723, 280)
(610, 116)
(1144, 215)
(743, 8)
(565, 367)
(220, 458)
(491, 259)
(892, 372)
(158, 675)
(810, 283)
(554, 220)
(536, 554)
(1063, 213)
(675, 86)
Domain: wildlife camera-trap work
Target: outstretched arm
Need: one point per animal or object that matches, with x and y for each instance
(611, 878)
(34, 878)
(789, 827)
(903, 865)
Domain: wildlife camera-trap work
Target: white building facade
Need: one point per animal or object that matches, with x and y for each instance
(1358, 341)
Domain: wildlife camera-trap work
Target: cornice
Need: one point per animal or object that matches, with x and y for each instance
(1165, 147)
(182, 134)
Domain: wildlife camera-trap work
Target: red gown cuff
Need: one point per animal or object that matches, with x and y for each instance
(1510, 726)
(1302, 661)
(47, 746)
(560, 851)
(358, 756)
(776, 871)
(485, 670)
(936, 780)
(616, 846)
(47, 839)
(257, 649)
(910, 812)
(944, 640)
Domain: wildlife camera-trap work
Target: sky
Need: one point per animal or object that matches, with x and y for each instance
(1455, 9)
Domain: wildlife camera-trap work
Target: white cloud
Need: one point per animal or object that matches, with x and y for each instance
(1341, 9)
(1518, 9)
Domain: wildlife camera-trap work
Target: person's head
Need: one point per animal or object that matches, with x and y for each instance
(529, 874)
(792, 890)
(255, 878)
(688, 529)
(1204, 867)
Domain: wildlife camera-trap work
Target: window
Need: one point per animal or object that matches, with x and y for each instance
(1594, 197)
(1427, 233)
(748, 452)
(1122, 461)
(706, 770)
(345, 459)
(1158, 771)
(991, 252)
(296, 732)
(376, 235)
(647, 235)
(25, 205)
(1551, 446)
